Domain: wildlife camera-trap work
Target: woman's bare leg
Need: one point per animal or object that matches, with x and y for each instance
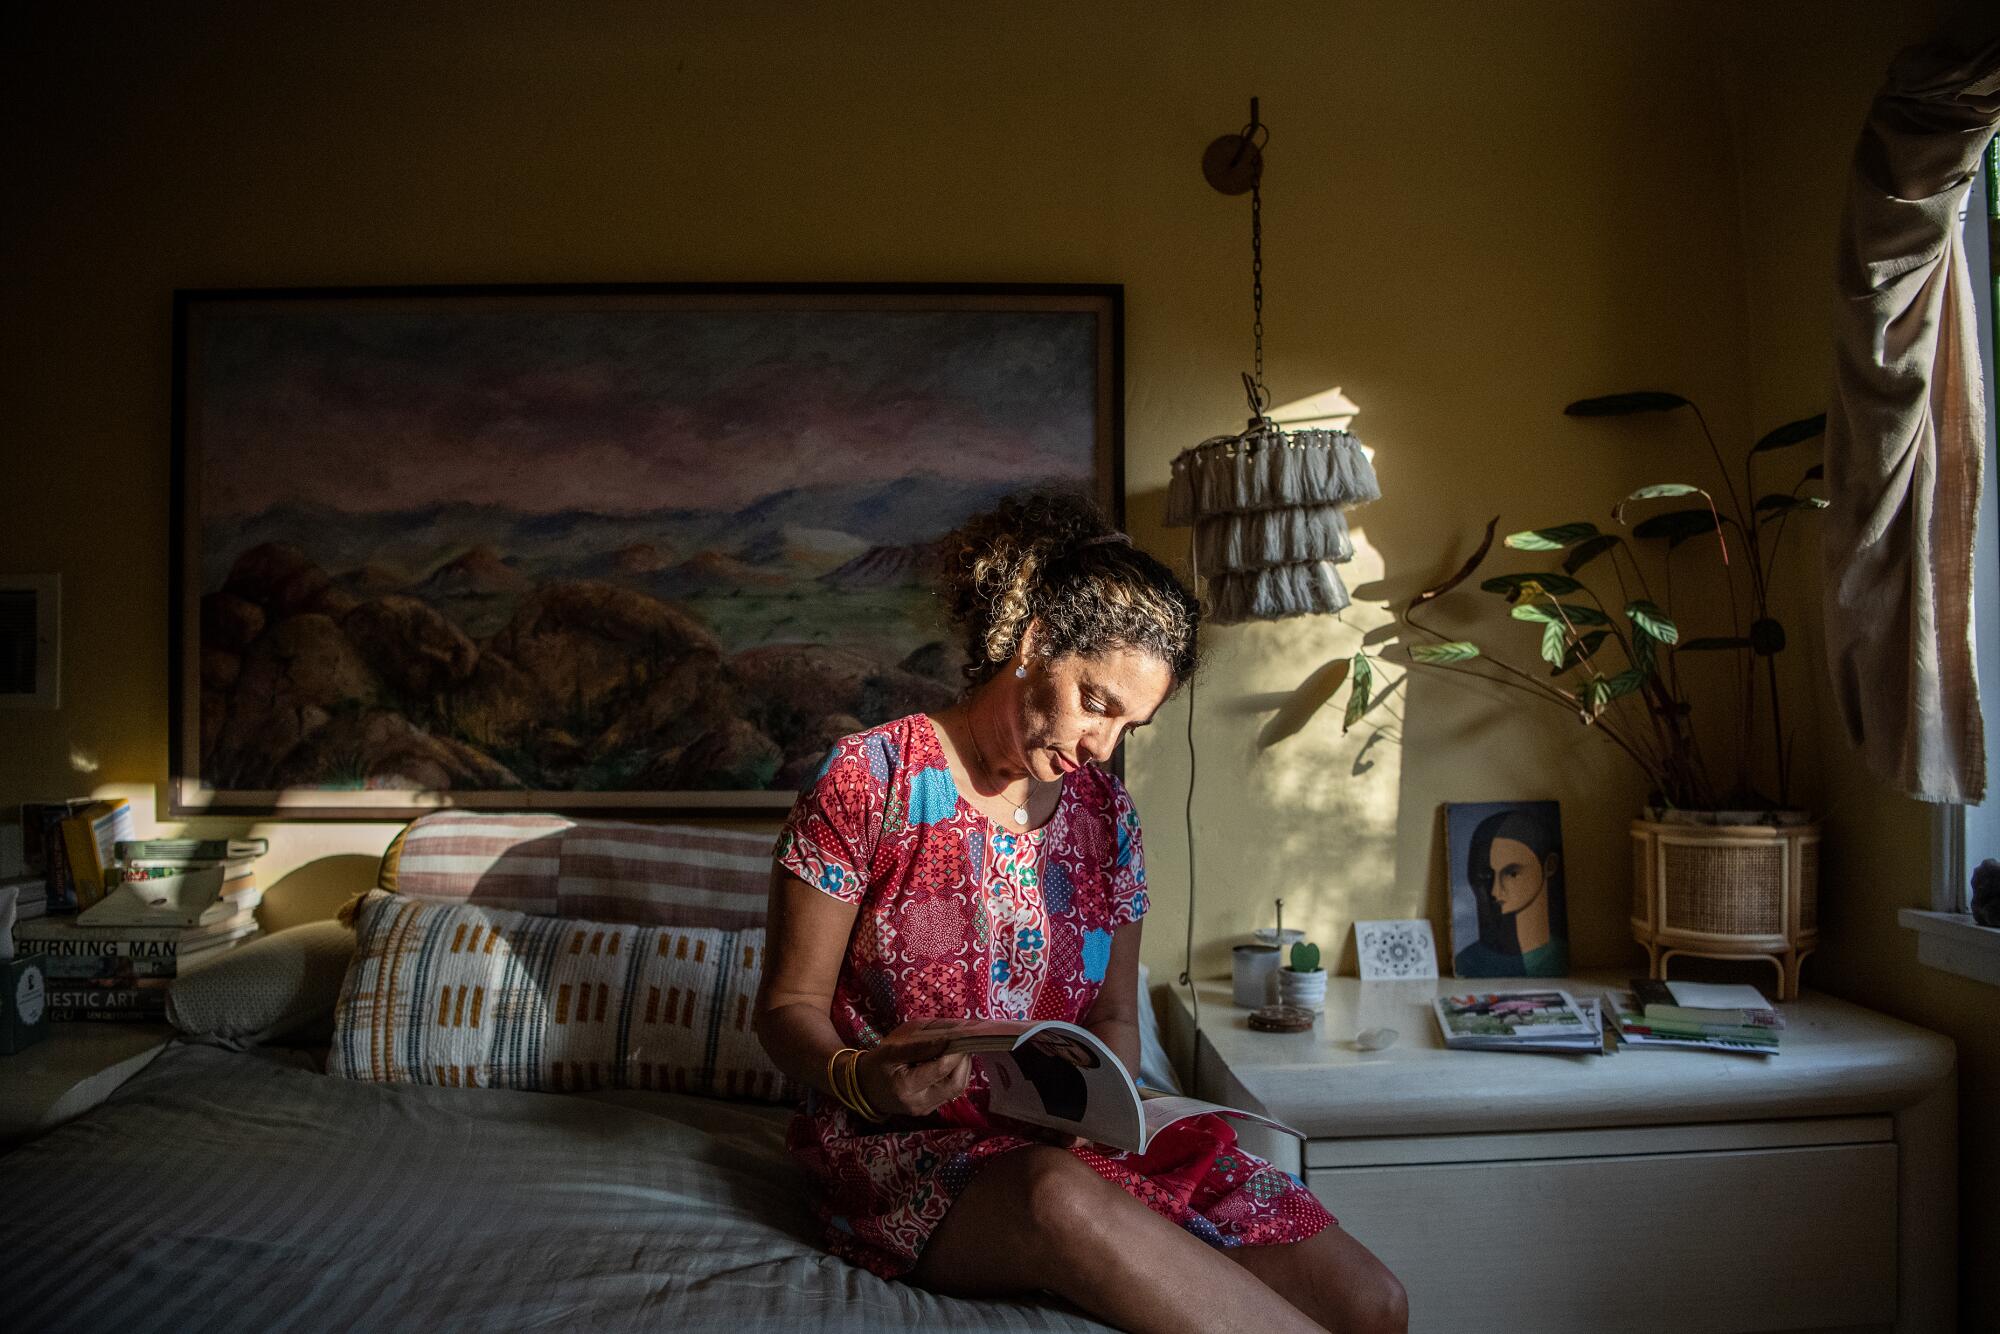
(1037, 1219)
(1334, 1279)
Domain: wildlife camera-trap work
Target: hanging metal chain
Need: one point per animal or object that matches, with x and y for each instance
(1257, 291)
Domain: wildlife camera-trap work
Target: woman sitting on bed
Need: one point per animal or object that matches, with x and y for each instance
(979, 864)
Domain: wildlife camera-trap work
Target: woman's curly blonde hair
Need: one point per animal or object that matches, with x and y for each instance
(1051, 557)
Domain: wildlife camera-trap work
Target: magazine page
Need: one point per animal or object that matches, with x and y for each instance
(1165, 1109)
(1061, 1076)
(978, 1035)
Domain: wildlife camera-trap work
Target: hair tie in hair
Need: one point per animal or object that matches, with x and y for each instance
(1102, 538)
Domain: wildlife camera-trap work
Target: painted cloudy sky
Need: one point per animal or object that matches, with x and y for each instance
(376, 406)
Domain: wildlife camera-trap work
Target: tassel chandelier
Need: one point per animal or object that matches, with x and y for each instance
(1265, 504)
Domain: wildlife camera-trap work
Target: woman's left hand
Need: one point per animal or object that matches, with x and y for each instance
(909, 1074)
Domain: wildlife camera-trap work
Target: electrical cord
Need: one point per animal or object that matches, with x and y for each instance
(1187, 949)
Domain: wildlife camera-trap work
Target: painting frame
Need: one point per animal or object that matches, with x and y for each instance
(190, 794)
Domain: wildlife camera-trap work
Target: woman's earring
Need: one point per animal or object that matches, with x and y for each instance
(1021, 672)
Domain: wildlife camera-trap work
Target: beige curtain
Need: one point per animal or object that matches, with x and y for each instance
(1906, 432)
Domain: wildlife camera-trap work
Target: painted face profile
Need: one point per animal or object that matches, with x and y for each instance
(1514, 871)
(1519, 876)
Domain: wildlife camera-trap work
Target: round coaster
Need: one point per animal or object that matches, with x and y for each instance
(1281, 1019)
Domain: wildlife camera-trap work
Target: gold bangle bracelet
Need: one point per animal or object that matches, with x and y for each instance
(832, 1081)
(854, 1075)
(848, 1085)
(855, 1098)
(837, 1081)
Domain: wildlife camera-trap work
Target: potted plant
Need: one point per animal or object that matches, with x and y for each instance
(1302, 982)
(1724, 866)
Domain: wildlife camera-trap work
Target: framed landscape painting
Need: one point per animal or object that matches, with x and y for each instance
(639, 550)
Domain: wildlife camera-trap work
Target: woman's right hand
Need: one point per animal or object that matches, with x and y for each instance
(908, 1074)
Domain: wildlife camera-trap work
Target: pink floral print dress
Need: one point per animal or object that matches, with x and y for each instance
(960, 917)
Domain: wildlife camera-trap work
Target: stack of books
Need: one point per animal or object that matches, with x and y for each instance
(1549, 1021)
(71, 844)
(171, 904)
(1696, 1014)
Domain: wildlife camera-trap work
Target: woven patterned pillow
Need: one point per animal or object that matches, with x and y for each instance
(602, 870)
(443, 993)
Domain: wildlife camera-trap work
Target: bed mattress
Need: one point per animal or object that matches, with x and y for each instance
(226, 1190)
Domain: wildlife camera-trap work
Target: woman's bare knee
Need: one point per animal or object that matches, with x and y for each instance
(1381, 1306)
(1335, 1280)
(1062, 1200)
(1031, 1218)
(1364, 1297)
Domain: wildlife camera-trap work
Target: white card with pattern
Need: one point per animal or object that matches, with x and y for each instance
(1393, 951)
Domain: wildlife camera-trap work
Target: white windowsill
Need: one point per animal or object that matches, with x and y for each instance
(1955, 943)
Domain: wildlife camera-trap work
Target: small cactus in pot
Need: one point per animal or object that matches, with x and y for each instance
(1303, 982)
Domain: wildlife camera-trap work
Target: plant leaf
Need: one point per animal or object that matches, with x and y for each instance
(1513, 586)
(1771, 506)
(1659, 490)
(1643, 656)
(1791, 433)
(1307, 700)
(1815, 473)
(1620, 405)
(1767, 637)
(1458, 650)
(1581, 649)
(1589, 551)
(1551, 539)
(1677, 526)
(1464, 571)
(1557, 613)
(1603, 691)
(1360, 694)
(1713, 642)
(1653, 621)
(1555, 642)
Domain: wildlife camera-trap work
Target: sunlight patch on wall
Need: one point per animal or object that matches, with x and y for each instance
(1328, 410)
(1313, 815)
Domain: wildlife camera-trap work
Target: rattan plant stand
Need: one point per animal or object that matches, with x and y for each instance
(1727, 891)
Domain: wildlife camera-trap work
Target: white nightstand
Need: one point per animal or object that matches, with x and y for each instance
(72, 1070)
(1648, 1190)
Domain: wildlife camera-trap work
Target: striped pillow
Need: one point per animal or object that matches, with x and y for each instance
(603, 870)
(461, 994)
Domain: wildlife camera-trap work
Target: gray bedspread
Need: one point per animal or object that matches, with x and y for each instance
(246, 1191)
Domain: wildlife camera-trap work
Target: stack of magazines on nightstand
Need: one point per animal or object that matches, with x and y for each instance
(1695, 1014)
(1550, 1020)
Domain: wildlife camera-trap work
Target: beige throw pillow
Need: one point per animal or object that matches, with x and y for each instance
(281, 985)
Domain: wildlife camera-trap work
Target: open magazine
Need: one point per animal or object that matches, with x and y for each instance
(1063, 1076)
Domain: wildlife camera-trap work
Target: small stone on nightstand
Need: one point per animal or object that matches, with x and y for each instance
(1376, 1039)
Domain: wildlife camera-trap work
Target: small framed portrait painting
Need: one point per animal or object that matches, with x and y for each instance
(1508, 913)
